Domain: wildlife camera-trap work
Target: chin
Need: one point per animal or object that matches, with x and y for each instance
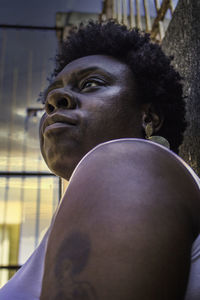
(58, 165)
(62, 168)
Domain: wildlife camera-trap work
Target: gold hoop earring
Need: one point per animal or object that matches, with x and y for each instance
(155, 138)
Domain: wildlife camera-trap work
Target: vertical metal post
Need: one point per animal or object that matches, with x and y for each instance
(157, 5)
(147, 16)
(38, 204)
(109, 9)
(138, 17)
(132, 14)
(12, 117)
(23, 178)
(124, 15)
(171, 7)
(2, 61)
(29, 79)
(60, 188)
(114, 14)
(160, 24)
(119, 11)
(4, 223)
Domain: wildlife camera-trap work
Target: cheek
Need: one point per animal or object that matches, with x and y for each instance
(43, 118)
(41, 138)
(109, 111)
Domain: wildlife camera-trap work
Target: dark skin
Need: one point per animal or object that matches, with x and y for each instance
(96, 97)
(126, 224)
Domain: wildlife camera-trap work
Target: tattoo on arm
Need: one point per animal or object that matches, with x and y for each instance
(73, 256)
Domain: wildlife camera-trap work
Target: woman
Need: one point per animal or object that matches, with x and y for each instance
(127, 223)
(125, 227)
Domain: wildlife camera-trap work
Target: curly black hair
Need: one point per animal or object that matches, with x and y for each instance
(158, 83)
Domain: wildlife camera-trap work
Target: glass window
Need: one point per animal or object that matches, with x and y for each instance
(26, 207)
(29, 193)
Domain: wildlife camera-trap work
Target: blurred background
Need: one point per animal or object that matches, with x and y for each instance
(30, 33)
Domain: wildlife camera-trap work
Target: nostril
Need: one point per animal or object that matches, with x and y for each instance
(49, 108)
(63, 103)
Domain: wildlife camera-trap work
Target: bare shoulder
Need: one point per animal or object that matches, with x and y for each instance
(133, 153)
(127, 221)
(140, 153)
(127, 165)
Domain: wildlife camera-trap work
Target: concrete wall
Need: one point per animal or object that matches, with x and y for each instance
(182, 40)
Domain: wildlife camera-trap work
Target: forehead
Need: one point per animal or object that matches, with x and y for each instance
(106, 63)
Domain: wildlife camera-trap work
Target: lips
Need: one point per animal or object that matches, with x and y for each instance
(58, 121)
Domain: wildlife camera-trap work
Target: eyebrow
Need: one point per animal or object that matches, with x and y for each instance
(77, 74)
(94, 69)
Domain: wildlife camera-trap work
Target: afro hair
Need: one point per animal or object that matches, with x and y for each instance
(157, 81)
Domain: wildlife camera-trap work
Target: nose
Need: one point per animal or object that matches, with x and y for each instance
(59, 99)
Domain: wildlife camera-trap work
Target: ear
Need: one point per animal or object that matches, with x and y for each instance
(151, 115)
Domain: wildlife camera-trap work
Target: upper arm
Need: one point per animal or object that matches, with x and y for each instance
(124, 229)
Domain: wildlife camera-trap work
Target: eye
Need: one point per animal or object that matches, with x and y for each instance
(91, 83)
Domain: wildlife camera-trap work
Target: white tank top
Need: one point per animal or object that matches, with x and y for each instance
(26, 283)
(193, 288)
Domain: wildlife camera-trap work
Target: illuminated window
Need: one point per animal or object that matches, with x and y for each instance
(29, 193)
